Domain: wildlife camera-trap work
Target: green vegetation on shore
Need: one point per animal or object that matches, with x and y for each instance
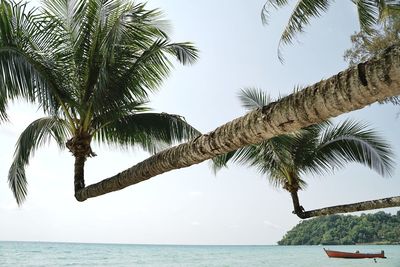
(378, 228)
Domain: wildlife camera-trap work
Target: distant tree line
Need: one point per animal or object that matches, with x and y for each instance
(378, 228)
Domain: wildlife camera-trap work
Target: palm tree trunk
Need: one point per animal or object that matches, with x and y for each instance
(79, 174)
(349, 90)
(79, 145)
(360, 206)
(298, 209)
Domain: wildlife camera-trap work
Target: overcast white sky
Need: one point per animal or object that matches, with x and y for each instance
(192, 206)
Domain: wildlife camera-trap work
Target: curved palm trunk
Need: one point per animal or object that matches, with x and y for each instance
(298, 209)
(349, 90)
(346, 208)
(360, 206)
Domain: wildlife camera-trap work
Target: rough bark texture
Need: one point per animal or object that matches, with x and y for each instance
(298, 209)
(360, 206)
(79, 175)
(349, 90)
(79, 145)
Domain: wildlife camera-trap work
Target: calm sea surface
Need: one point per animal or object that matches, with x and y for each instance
(18, 254)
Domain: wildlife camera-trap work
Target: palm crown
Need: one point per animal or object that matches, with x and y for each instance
(317, 149)
(90, 65)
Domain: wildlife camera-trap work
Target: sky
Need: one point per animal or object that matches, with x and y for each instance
(193, 206)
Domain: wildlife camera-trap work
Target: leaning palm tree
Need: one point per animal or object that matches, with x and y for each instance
(316, 149)
(349, 90)
(370, 13)
(91, 66)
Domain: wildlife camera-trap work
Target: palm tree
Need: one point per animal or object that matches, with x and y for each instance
(316, 149)
(350, 89)
(91, 66)
(370, 13)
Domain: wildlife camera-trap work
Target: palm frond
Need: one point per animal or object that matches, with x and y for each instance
(122, 44)
(17, 182)
(136, 58)
(150, 131)
(221, 161)
(66, 12)
(272, 157)
(305, 141)
(368, 12)
(186, 53)
(131, 78)
(26, 63)
(253, 98)
(89, 25)
(244, 156)
(265, 11)
(106, 116)
(20, 78)
(37, 134)
(276, 158)
(300, 17)
(13, 64)
(29, 43)
(351, 142)
(372, 12)
(395, 100)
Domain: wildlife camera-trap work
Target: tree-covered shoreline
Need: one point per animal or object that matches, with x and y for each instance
(378, 228)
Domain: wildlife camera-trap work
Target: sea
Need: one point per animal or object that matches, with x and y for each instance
(20, 254)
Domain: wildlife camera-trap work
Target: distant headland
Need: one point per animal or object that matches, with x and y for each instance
(379, 228)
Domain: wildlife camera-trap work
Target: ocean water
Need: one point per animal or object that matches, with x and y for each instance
(20, 254)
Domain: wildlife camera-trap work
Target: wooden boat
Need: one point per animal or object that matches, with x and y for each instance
(353, 255)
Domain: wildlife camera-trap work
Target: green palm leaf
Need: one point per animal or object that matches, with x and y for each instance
(151, 131)
(186, 53)
(303, 11)
(266, 10)
(37, 134)
(368, 13)
(67, 13)
(28, 47)
(350, 142)
(253, 98)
